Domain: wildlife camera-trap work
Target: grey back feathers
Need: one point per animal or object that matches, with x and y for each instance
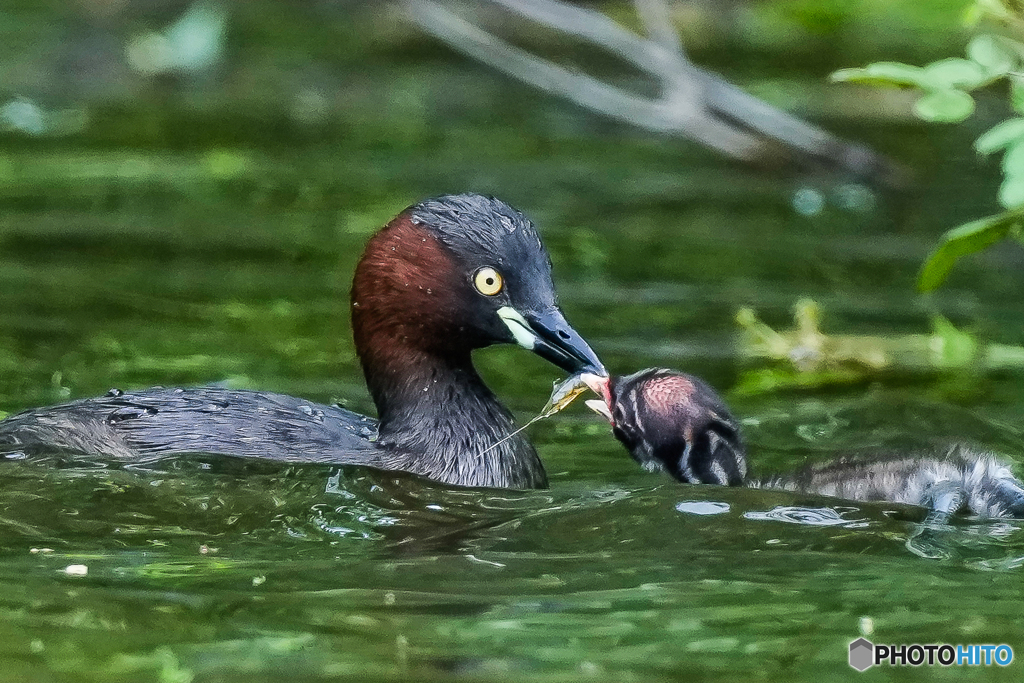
(154, 423)
(958, 480)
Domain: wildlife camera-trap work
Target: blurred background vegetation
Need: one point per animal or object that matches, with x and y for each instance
(185, 187)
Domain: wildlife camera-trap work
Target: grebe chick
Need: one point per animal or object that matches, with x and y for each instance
(445, 277)
(673, 421)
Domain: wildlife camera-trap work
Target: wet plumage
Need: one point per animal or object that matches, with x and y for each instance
(674, 422)
(416, 317)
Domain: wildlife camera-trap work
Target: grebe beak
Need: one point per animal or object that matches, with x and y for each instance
(549, 336)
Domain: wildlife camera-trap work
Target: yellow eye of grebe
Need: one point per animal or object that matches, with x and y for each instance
(488, 281)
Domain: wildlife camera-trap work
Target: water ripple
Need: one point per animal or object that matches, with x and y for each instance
(810, 516)
(702, 507)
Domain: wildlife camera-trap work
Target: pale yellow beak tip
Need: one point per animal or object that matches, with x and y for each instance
(599, 407)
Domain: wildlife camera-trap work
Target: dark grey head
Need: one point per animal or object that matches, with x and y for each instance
(460, 272)
(485, 231)
(507, 277)
(672, 421)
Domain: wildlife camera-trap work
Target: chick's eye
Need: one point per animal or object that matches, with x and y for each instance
(488, 281)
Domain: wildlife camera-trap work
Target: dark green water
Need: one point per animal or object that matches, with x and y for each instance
(198, 232)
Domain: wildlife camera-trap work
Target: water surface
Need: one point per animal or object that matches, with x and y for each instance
(201, 232)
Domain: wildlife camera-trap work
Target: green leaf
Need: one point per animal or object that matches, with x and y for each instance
(954, 348)
(1016, 233)
(1011, 192)
(956, 73)
(963, 240)
(884, 73)
(990, 9)
(769, 380)
(945, 106)
(992, 55)
(1013, 160)
(1000, 135)
(1017, 94)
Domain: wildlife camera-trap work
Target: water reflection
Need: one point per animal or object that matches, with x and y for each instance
(809, 516)
(983, 545)
(165, 243)
(702, 507)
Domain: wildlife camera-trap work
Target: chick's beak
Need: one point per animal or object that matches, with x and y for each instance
(602, 387)
(601, 408)
(599, 384)
(550, 336)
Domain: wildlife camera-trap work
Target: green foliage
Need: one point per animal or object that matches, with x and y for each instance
(806, 357)
(945, 84)
(966, 239)
(946, 87)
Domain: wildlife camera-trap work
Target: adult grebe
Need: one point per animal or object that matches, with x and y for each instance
(445, 277)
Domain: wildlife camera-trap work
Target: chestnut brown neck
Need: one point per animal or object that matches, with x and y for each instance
(437, 418)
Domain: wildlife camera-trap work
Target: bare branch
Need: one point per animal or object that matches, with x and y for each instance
(670, 67)
(694, 103)
(657, 21)
(657, 115)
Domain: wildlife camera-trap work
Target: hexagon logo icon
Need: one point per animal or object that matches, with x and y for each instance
(862, 654)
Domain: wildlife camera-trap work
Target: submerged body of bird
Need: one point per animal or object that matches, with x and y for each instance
(674, 422)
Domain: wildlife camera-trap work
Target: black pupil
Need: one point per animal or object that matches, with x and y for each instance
(489, 280)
